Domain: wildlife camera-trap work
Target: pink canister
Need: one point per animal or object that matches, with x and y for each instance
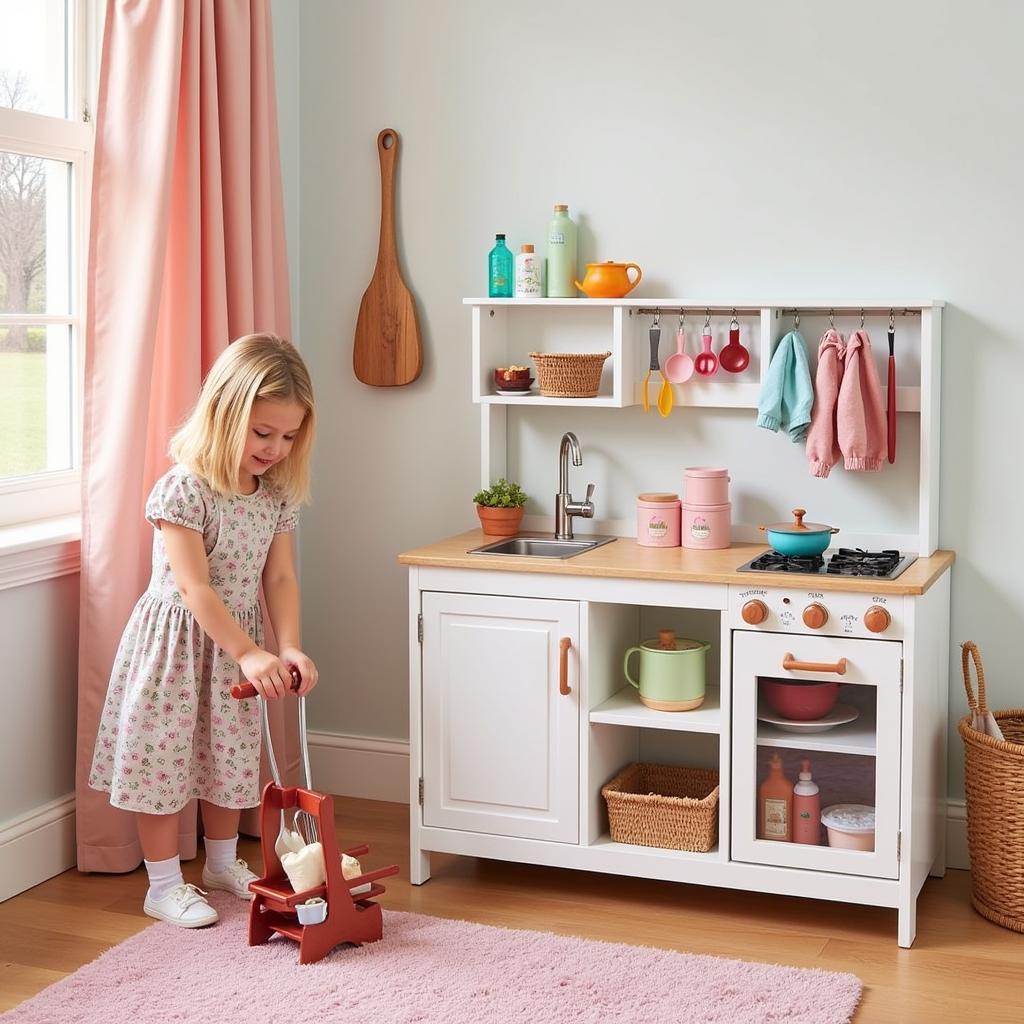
(658, 520)
(706, 485)
(706, 526)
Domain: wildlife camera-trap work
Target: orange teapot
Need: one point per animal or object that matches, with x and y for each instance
(608, 280)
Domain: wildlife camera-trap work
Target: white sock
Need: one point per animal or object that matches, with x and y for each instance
(164, 875)
(220, 853)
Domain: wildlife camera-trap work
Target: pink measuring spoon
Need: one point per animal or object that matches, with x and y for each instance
(706, 363)
(679, 367)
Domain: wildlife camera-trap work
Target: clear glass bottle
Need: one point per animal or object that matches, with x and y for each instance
(501, 270)
(562, 257)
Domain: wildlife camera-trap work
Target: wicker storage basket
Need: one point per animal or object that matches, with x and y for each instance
(569, 374)
(659, 805)
(995, 805)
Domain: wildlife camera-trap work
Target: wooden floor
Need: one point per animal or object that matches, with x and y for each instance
(961, 967)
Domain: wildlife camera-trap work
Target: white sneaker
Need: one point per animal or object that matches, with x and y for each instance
(184, 905)
(235, 878)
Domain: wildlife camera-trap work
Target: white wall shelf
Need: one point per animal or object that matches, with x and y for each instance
(505, 331)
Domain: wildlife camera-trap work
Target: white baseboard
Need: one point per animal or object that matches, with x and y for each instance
(41, 843)
(360, 766)
(957, 855)
(37, 846)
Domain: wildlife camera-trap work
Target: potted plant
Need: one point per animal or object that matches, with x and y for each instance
(500, 508)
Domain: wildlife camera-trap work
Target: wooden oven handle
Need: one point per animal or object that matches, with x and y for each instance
(563, 666)
(790, 664)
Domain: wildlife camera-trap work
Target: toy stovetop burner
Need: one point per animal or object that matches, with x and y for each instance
(350, 919)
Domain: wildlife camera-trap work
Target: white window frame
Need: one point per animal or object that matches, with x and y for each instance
(54, 495)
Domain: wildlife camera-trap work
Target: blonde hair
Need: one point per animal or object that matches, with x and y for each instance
(212, 440)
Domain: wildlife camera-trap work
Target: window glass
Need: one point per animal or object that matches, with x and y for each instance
(34, 238)
(36, 408)
(33, 56)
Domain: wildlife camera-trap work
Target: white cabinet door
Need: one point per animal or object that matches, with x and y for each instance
(500, 737)
(860, 757)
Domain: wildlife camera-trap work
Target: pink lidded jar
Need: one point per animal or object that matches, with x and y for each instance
(706, 526)
(658, 520)
(706, 485)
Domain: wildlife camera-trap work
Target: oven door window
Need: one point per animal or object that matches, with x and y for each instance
(830, 706)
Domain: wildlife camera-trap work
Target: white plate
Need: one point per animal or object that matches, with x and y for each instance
(841, 714)
(517, 393)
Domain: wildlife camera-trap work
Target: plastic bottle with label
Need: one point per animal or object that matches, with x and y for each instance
(562, 268)
(501, 270)
(528, 277)
(806, 808)
(775, 805)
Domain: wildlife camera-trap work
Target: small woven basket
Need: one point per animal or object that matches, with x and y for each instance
(995, 805)
(660, 805)
(569, 374)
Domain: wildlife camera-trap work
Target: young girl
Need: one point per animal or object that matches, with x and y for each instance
(170, 730)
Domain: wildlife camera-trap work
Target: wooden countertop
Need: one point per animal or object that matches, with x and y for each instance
(625, 559)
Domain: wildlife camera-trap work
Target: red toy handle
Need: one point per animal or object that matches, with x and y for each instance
(241, 691)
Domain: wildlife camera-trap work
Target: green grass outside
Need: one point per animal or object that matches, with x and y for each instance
(22, 413)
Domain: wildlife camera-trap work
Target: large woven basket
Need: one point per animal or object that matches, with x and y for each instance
(995, 805)
(660, 805)
(569, 374)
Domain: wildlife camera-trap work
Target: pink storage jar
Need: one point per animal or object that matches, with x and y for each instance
(706, 485)
(658, 520)
(706, 526)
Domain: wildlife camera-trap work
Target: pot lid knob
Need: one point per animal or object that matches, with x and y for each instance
(667, 639)
(798, 515)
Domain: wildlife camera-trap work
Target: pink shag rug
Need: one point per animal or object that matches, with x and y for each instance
(428, 970)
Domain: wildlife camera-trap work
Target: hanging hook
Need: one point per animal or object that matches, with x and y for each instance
(657, 318)
(682, 317)
(734, 319)
(796, 319)
(862, 319)
(831, 318)
(892, 319)
(707, 318)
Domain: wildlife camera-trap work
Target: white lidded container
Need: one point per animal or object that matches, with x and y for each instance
(850, 826)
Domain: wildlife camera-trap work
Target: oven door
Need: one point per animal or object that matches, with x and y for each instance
(854, 762)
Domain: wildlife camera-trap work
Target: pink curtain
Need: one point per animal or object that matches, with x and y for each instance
(186, 252)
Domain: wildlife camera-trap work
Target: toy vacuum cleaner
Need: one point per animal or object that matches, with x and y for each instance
(304, 892)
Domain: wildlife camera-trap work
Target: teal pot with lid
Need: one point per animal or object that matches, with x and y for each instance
(799, 538)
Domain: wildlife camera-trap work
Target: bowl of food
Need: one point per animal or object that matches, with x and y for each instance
(512, 378)
(798, 700)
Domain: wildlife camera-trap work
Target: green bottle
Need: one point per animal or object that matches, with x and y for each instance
(501, 270)
(561, 255)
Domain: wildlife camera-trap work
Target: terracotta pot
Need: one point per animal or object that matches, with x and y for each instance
(499, 522)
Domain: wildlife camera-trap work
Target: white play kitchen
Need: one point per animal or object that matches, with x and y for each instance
(769, 715)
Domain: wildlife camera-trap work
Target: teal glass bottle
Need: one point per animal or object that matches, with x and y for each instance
(501, 275)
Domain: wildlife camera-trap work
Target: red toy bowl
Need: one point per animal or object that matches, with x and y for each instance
(800, 701)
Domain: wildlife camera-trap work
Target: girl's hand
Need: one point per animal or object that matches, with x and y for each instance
(268, 674)
(310, 676)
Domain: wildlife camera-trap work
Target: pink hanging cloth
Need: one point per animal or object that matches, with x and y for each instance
(860, 415)
(822, 441)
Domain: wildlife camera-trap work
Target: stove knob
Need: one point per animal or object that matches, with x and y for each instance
(755, 612)
(815, 615)
(877, 619)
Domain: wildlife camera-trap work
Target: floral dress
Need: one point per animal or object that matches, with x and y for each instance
(170, 730)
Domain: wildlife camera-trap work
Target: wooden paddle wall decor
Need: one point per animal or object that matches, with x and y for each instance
(387, 351)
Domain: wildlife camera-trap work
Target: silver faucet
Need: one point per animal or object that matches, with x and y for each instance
(565, 507)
